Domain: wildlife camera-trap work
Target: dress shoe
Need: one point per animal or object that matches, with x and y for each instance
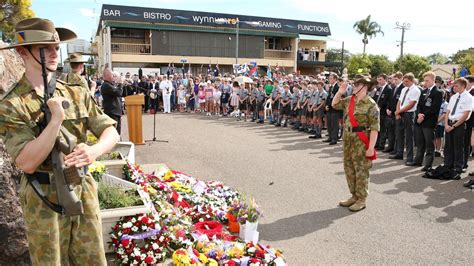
(348, 202)
(411, 163)
(315, 137)
(426, 168)
(469, 183)
(396, 157)
(387, 150)
(437, 154)
(333, 143)
(394, 152)
(358, 205)
(471, 174)
(327, 140)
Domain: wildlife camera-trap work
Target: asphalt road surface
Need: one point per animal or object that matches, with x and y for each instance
(298, 183)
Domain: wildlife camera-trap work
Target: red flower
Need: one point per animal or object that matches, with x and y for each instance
(144, 220)
(260, 254)
(195, 252)
(254, 260)
(125, 242)
(230, 263)
(148, 260)
(138, 258)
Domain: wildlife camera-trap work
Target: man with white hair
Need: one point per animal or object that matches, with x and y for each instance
(166, 88)
(112, 96)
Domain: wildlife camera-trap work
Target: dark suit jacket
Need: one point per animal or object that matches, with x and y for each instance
(111, 96)
(143, 87)
(331, 93)
(429, 105)
(382, 98)
(470, 121)
(394, 99)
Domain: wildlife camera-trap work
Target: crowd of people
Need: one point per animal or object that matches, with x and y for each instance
(419, 119)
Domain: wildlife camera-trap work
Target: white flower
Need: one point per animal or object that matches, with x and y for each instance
(137, 252)
(161, 239)
(155, 246)
(134, 229)
(127, 225)
(133, 220)
(144, 227)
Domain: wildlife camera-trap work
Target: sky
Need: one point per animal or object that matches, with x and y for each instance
(433, 28)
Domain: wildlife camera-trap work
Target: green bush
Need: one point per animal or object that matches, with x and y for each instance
(111, 197)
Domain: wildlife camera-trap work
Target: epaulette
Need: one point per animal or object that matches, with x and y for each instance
(12, 88)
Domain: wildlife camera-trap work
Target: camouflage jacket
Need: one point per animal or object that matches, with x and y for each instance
(76, 79)
(366, 112)
(21, 114)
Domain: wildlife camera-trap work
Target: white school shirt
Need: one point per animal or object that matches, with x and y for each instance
(464, 104)
(413, 94)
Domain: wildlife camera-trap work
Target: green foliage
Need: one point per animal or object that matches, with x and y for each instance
(367, 29)
(467, 62)
(437, 58)
(111, 197)
(412, 63)
(380, 64)
(115, 155)
(359, 64)
(334, 55)
(11, 12)
(459, 56)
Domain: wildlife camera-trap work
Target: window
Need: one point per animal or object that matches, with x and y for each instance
(273, 43)
(128, 33)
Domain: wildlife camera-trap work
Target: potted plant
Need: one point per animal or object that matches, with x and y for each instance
(232, 215)
(248, 216)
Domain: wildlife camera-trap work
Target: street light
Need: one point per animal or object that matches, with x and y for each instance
(237, 26)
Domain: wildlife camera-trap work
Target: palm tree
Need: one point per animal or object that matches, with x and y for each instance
(368, 29)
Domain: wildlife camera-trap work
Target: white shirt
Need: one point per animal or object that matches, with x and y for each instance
(413, 94)
(166, 85)
(464, 104)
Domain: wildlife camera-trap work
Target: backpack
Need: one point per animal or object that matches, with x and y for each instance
(442, 172)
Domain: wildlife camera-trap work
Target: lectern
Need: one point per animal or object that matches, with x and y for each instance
(134, 104)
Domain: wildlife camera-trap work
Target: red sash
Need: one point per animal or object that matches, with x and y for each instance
(361, 134)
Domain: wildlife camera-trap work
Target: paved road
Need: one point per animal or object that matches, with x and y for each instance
(298, 183)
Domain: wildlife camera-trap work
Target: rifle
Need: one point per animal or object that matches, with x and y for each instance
(65, 178)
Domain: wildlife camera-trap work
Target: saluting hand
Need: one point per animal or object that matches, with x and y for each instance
(343, 88)
(82, 155)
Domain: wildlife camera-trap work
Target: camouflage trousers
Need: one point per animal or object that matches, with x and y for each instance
(57, 240)
(356, 165)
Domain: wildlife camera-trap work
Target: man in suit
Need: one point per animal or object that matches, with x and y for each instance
(332, 114)
(143, 88)
(153, 88)
(390, 122)
(112, 96)
(426, 118)
(382, 98)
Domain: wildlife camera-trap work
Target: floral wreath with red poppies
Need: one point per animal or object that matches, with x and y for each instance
(139, 240)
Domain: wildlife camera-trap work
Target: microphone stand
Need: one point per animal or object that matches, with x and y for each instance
(154, 125)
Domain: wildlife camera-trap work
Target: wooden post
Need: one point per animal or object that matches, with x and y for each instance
(134, 118)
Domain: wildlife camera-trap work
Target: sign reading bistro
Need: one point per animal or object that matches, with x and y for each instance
(181, 17)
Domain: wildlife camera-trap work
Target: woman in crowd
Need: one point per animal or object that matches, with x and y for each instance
(234, 98)
(362, 123)
(208, 91)
(202, 97)
(216, 94)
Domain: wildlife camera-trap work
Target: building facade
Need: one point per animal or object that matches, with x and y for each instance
(150, 38)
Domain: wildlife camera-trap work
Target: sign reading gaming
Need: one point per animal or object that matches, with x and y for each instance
(181, 17)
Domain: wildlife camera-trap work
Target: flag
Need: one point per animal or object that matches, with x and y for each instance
(253, 70)
(269, 72)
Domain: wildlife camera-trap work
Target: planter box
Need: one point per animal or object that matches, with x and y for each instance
(111, 216)
(127, 153)
(114, 167)
(126, 149)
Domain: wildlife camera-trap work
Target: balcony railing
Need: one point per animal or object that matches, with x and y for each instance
(280, 54)
(129, 48)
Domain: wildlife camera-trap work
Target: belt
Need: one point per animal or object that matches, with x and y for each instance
(43, 178)
(357, 129)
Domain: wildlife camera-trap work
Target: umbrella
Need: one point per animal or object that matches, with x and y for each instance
(243, 79)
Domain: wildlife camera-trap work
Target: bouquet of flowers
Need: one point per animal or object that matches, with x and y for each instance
(249, 212)
(97, 170)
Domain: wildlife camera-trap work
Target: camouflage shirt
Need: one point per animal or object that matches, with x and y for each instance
(366, 112)
(21, 115)
(76, 79)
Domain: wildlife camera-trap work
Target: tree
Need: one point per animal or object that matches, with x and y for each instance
(334, 55)
(11, 12)
(412, 63)
(437, 58)
(466, 62)
(459, 55)
(380, 64)
(359, 64)
(367, 29)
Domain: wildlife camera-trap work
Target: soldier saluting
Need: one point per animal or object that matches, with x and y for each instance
(362, 123)
(54, 238)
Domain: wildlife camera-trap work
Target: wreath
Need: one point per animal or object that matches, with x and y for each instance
(139, 240)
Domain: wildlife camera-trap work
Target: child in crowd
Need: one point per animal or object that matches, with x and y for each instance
(181, 98)
(202, 98)
(439, 130)
(208, 91)
(217, 101)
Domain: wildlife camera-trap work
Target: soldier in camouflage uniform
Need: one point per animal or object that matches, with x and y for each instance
(357, 157)
(53, 239)
(77, 63)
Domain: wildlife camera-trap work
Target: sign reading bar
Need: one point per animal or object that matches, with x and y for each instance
(181, 17)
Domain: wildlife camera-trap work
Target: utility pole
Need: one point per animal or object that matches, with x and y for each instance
(237, 42)
(342, 58)
(402, 26)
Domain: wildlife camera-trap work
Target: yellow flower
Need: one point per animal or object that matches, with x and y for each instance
(168, 175)
(96, 167)
(91, 139)
(212, 262)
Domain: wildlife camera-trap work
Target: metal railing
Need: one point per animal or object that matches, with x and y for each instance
(129, 48)
(280, 54)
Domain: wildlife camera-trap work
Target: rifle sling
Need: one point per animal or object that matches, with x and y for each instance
(35, 184)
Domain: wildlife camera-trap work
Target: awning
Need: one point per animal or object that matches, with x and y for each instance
(157, 26)
(313, 37)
